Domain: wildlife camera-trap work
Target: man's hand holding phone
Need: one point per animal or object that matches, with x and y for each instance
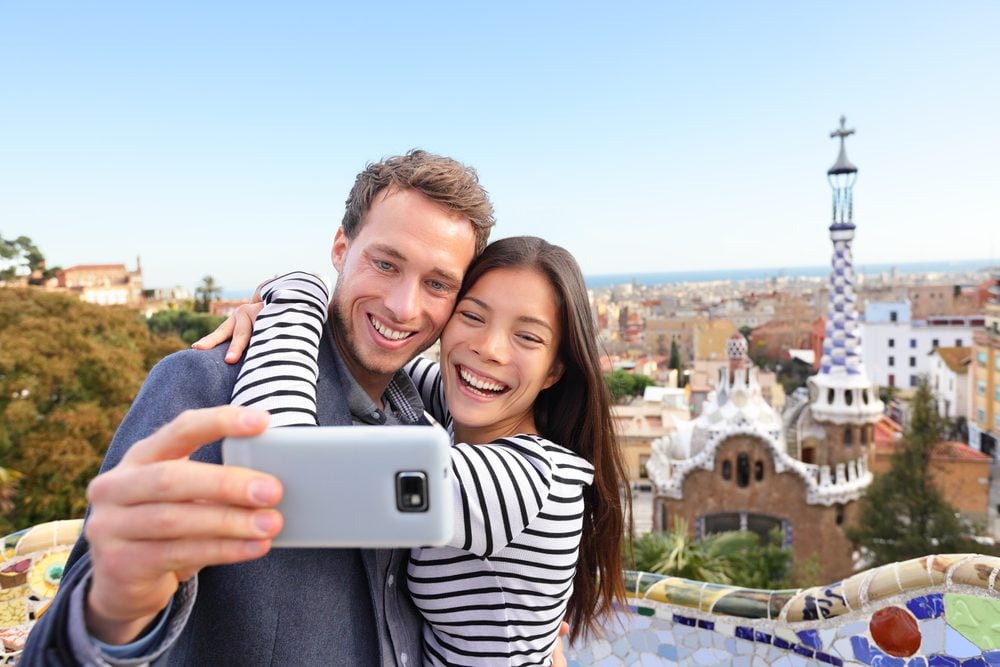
(157, 518)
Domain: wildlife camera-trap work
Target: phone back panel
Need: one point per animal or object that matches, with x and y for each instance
(340, 483)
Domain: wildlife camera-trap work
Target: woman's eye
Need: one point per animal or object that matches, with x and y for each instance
(531, 338)
(471, 317)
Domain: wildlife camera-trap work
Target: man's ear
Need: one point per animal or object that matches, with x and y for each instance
(555, 373)
(340, 245)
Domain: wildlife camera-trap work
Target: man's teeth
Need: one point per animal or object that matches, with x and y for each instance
(482, 384)
(386, 332)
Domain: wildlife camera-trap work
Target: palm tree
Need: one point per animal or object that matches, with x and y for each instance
(713, 559)
(206, 293)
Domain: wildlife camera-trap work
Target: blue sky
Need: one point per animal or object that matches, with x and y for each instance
(222, 137)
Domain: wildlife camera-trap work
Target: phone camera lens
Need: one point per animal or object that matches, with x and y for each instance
(411, 492)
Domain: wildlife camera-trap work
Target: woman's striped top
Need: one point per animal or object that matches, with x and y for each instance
(498, 592)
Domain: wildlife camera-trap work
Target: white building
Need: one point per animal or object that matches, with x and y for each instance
(897, 348)
(949, 380)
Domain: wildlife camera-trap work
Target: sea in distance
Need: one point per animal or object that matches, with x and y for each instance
(600, 281)
(603, 280)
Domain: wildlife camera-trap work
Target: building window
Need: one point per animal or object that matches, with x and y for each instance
(996, 362)
(981, 357)
(996, 394)
(958, 342)
(839, 513)
(913, 343)
(742, 470)
(892, 316)
(727, 470)
(913, 380)
(892, 342)
(913, 362)
(758, 470)
(892, 361)
(848, 436)
(934, 343)
(981, 387)
(980, 415)
(892, 380)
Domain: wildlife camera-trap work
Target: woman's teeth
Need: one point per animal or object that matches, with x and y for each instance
(482, 384)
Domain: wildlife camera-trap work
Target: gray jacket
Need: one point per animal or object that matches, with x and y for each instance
(292, 607)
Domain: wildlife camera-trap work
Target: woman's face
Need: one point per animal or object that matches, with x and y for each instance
(498, 351)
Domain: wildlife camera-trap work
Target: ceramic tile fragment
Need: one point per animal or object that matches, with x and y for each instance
(932, 636)
(958, 646)
(978, 619)
(895, 631)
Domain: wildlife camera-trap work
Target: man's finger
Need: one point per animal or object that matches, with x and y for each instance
(184, 481)
(168, 521)
(192, 429)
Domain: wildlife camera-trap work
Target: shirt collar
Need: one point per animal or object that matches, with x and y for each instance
(401, 396)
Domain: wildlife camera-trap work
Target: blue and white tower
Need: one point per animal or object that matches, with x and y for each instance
(842, 393)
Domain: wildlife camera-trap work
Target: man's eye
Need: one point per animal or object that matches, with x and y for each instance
(437, 285)
(382, 265)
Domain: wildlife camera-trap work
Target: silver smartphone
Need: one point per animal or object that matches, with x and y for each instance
(355, 486)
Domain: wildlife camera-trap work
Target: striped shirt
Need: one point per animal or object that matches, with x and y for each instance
(497, 593)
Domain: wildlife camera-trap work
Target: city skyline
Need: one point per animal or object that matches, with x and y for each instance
(644, 138)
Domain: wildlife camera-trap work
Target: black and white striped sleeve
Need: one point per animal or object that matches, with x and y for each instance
(426, 377)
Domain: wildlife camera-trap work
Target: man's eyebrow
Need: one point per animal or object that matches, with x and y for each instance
(447, 276)
(524, 318)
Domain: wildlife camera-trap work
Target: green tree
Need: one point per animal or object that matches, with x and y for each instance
(733, 557)
(205, 294)
(675, 363)
(68, 372)
(623, 384)
(903, 514)
(188, 325)
(19, 257)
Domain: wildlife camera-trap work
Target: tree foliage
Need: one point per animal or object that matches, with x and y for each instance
(186, 324)
(205, 294)
(675, 363)
(623, 384)
(19, 257)
(68, 372)
(902, 514)
(733, 557)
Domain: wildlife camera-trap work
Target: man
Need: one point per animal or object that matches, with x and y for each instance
(176, 564)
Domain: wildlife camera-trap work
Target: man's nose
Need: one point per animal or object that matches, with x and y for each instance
(403, 301)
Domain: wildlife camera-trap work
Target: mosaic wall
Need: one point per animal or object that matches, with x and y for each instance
(938, 611)
(31, 565)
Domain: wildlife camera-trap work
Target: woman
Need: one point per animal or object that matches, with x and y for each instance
(539, 517)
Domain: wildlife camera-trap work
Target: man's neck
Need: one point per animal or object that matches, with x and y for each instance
(373, 384)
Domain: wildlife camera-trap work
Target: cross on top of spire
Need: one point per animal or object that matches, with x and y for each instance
(843, 165)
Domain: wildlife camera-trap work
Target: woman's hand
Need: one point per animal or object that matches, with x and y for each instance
(237, 327)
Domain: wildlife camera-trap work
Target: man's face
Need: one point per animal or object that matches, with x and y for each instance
(397, 283)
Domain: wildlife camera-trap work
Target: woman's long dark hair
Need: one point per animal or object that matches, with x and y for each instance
(575, 412)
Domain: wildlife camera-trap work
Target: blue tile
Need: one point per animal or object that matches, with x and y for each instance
(862, 651)
(880, 659)
(927, 606)
(744, 632)
(762, 637)
(992, 658)
(684, 620)
(803, 650)
(977, 661)
(943, 661)
(809, 638)
(708, 625)
(919, 661)
(781, 643)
